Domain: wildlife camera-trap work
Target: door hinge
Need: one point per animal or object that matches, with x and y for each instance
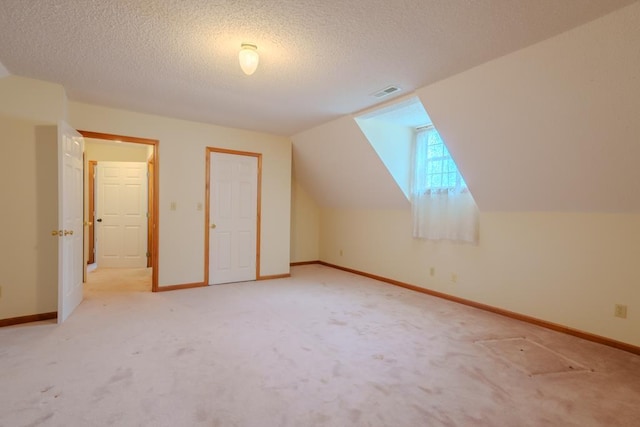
(148, 255)
(148, 216)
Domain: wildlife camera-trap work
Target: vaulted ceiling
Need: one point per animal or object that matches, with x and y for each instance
(552, 127)
(319, 60)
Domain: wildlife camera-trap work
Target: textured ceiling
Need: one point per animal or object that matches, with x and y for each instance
(318, 60)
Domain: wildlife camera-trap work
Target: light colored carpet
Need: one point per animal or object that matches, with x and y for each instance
(118, 280)
(323, 348)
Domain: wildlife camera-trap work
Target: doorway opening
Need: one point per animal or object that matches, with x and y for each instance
(122, 166)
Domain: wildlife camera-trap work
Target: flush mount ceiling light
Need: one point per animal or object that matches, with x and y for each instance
(248, 58)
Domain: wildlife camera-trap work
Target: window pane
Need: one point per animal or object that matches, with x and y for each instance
(434, 151)
(440, 171)
(435, 166)
(445, 166)
(436, 180)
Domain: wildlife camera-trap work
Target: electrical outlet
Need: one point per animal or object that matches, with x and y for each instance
(340, 252)
(173, 206)
(454, 278)
(620, 311)
(432, 271)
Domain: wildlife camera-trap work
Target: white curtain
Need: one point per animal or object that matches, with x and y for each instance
(443, 208)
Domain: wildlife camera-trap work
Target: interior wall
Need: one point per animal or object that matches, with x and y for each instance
(29, 188)
(182, 180)
(305, 225)
(29, 112)
(31, 99)
(566, 268)
(338, 166)
(393, 144)
(96, 149)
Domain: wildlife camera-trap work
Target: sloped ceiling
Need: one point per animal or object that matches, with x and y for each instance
(319, 60)
(553, 127)
(338, 166)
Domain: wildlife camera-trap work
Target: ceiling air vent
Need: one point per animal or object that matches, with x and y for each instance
(386, 91)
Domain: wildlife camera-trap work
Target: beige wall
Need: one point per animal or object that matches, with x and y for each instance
(566, 268)
(305, 225)
(29, 188)
(182, 180)
(96, 149)
(339, 167)
(31, 99)
(29, 111)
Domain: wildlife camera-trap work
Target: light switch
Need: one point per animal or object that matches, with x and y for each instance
(173, 206)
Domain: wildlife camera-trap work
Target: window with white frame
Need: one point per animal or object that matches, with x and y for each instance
(440, 170)
(442, 205)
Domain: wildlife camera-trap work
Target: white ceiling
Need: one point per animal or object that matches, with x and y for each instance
(318, 60)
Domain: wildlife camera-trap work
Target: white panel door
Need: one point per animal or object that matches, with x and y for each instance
(70, 220)
(234, 216)
(121, 214)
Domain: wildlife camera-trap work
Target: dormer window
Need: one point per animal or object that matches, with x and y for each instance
(442, 205)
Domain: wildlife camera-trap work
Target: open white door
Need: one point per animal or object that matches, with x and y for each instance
(70, 220)
(121, 214)
(234, 217)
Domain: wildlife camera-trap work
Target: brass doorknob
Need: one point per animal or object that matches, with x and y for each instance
(56, 233)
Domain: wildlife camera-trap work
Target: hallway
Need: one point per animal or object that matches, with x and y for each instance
(118, 280)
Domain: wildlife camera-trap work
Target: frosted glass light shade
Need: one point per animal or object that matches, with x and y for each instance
(249, 58)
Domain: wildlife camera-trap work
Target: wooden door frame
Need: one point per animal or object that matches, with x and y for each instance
(207, 200)
(150, 199)
(154, 217)
(91, 184)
